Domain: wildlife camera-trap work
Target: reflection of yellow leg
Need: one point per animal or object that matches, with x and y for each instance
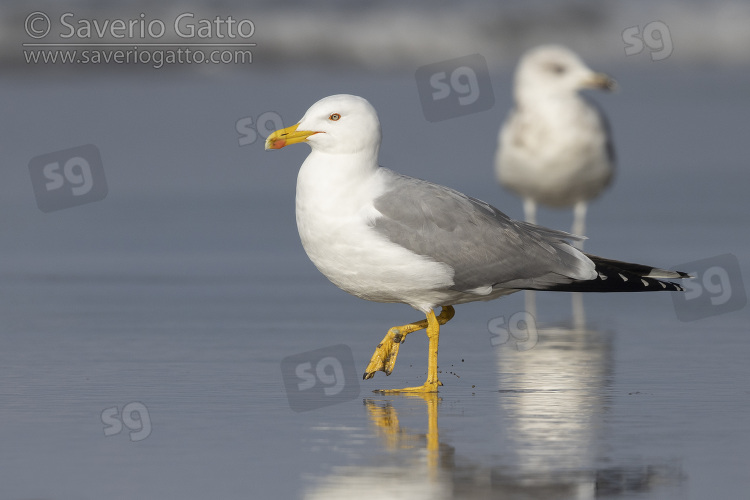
(385, 354)
(433, 434)
(385, 418)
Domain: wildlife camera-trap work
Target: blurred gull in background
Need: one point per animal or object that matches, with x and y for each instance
(555, 146)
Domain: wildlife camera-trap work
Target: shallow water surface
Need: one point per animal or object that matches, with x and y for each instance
(143, 335)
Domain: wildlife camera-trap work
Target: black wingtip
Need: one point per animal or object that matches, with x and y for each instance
(618, 276)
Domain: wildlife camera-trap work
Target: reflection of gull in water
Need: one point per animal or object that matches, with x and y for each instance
(553, 400)
(391, 238)
(415, 464)
(419, 465)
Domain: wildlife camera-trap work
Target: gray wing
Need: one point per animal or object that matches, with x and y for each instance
(484, 246)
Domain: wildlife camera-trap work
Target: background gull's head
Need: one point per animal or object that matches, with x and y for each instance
(555, 71)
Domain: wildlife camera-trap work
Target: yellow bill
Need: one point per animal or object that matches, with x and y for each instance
(600, 81)
(287, 136)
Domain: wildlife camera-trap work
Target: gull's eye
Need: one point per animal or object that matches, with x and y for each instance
(556, 68)
(334, 117)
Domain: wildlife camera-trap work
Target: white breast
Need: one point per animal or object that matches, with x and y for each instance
(334, 218)
(555, 152)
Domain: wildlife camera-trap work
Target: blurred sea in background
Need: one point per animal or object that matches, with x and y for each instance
(393, 36)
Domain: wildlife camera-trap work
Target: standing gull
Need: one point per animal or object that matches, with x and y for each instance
(387, 237)
(555, 147)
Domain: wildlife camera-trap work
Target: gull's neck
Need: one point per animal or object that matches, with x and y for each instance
(336, 172)
(533, 99)
(327, 180)
(554, 106)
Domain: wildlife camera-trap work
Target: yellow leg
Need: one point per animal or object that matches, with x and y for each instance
(385, 354)
(384, 358)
